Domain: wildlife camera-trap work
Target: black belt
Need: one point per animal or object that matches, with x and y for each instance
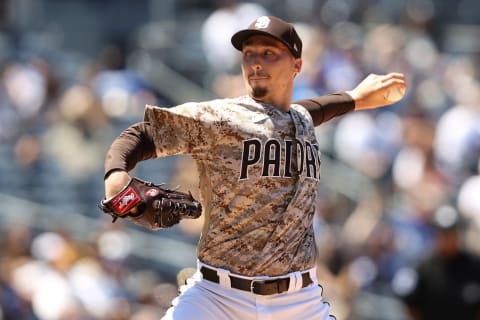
(257, 286)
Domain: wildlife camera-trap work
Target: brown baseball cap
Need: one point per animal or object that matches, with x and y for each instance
(273, 27)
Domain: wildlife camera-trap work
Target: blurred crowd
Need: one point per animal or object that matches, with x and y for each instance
(392, 177)
(50, 275)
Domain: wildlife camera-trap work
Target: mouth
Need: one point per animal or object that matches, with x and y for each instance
(258, 77)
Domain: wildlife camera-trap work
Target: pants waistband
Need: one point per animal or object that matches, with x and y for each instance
(259, 285)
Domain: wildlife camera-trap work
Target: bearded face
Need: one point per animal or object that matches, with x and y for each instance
(268, 70)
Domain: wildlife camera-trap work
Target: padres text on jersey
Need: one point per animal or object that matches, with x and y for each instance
(271, 154)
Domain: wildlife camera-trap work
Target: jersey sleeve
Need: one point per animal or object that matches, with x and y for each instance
(326, 107)
(133, 145)
(165, 131)
(184, 129)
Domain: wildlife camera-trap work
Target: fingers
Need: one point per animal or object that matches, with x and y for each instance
(379, 81)
(394, 82)
(379, 90)
(395, 87)
(395, 75)
(394, 78)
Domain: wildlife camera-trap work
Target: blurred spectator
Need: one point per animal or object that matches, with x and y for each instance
(28, 90)
(121, 91)
(454, 146)
(446, 285)
(468, 202)
(376, 142)
(228, 17)
(51, 276)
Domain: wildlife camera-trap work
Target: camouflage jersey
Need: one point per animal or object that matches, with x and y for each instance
(259, 168)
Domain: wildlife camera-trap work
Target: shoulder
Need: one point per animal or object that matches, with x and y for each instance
(214, 106)
(235, 102)
(211, 110)
(301, 110)
(232, 107)
(188, 109)
(185, 107)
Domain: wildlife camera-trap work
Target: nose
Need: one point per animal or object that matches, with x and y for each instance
(254, 63)
(256, 66)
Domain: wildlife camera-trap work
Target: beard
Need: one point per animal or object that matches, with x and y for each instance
(259, 92)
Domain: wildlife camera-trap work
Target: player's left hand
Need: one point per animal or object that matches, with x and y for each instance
(155, 207)
(379, 90)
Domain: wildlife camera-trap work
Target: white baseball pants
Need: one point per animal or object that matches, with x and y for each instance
(201, 299)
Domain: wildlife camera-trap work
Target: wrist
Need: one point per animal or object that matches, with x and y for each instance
(354, 96)
(115, 182)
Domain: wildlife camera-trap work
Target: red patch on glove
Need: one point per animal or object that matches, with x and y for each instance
(126, 200)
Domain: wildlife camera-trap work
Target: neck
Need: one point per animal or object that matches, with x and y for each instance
(281, 101)
(284, 106)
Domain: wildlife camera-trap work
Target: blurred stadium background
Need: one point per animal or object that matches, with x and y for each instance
(75, 73)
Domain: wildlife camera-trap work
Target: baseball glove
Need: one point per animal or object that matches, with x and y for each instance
(151, 206)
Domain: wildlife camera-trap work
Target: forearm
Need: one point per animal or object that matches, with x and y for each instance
(326, 107)
(133, 145)
(374, 91)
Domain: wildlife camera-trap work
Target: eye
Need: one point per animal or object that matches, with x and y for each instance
(268, 52)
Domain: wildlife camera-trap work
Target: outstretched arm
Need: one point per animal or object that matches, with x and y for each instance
(372, 92)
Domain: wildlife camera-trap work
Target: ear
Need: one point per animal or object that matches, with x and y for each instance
(297, 65)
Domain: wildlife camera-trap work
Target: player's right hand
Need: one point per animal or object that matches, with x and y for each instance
(372, 92)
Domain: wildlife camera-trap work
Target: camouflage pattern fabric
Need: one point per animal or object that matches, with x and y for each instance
(259, 169)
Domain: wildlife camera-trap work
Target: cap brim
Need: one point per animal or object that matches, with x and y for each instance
(239, 37)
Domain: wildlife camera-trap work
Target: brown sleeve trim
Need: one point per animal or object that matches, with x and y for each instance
(133, 145)
(324, 108)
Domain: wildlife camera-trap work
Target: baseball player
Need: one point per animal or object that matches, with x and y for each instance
(259, 168)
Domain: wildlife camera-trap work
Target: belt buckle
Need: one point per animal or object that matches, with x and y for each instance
(252, 285)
